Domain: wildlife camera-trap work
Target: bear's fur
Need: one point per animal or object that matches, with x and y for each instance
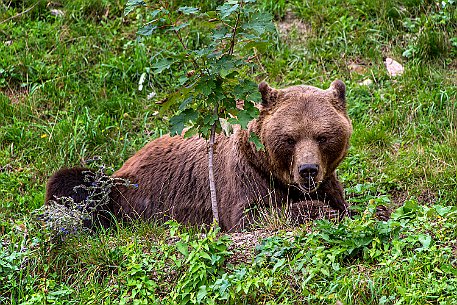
(305, 132)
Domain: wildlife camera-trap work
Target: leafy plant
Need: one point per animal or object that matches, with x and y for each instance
(203, 259)
(10, 265)
(138, 287)
(182, 270)
(425, 40)
(217, 49)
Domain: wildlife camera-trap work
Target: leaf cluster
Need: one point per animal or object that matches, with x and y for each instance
(218, 49)
(325, 254)
(185, 269)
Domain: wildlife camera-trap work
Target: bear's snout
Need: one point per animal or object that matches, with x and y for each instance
(309, 173)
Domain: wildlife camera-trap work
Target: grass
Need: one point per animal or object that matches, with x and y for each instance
(69, 91)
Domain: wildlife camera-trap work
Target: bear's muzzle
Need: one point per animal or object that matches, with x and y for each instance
(308, 173)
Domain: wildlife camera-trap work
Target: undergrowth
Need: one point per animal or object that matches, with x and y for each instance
(77, 81)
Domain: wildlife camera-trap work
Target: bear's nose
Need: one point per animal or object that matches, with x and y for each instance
(308, 171)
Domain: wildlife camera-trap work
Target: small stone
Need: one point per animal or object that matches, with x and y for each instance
(151, 95)
(394, 68)
(57, 13)
(366, 82)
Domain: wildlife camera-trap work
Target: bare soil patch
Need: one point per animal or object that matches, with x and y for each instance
(292, 29)
(426, 197)
(16, 95)
(244, 244)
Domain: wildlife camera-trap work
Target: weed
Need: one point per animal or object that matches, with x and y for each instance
(63, 215)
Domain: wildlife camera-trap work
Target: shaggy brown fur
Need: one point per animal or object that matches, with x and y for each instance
(305, 131)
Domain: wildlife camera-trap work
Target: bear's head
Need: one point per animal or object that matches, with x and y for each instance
(305, 131)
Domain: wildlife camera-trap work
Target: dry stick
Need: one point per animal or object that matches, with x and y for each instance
(212, 185)
(19, 14)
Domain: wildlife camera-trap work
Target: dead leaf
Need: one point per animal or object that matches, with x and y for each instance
(359, 69)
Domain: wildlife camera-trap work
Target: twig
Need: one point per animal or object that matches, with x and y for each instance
(235, 28)
(194, 62)
(19, 14)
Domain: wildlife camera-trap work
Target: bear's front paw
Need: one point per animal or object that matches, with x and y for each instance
(382, 213)
(303, 211)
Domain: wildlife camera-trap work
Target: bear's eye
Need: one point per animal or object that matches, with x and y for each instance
(290, 141)
(321, 139)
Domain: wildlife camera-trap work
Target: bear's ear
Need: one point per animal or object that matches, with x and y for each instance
(269, 94)
(339, 92)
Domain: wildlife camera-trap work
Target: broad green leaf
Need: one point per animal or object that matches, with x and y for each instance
(178, 122)
(131, 5)
(227, 9)
(260, 23)
(244, 89)
(201, 294)
(205, 255)
(205, 86)
(217, 95)
(260, 45)
(324, 271)
(425, 240)
(210, 119)
(444, 210)
(224, 285)
(182, 248)
(408, 209)
(242, 118)
(187, 10)
(154, 13)
(185, 103)
(190, 132)
(278, 264)
(147, 30)
(254, 96)
(220, 33)
(173, 98)
(178, 27)
(162, 65)
(204, 52)
(226, 65)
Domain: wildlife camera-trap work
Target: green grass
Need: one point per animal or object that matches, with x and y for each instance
(69, 91)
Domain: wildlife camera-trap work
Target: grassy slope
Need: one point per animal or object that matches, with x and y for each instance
(69, 92)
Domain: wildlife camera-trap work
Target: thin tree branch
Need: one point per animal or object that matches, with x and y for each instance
(235, 28)
(212, 184)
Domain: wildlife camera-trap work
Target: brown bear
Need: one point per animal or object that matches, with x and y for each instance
(305, 132)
